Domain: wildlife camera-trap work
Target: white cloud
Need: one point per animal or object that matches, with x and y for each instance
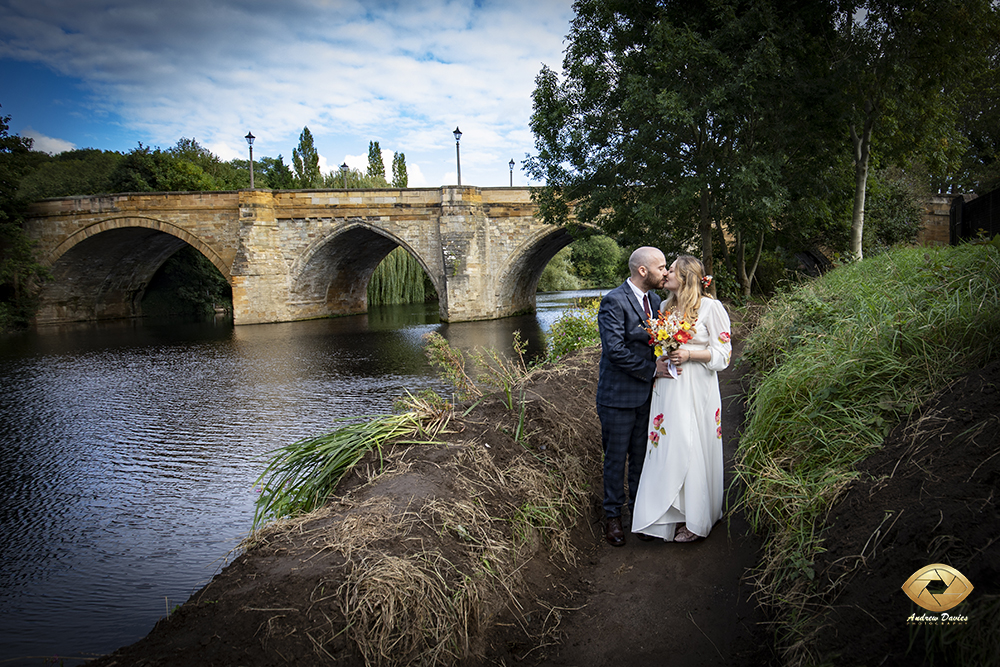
(45, 144)
(401, 73)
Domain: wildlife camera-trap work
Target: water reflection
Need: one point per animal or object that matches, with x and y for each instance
(128, 451)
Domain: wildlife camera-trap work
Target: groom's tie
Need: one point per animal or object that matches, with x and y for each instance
(645, 305)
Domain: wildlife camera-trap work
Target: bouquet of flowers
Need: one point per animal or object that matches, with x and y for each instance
(667, 333)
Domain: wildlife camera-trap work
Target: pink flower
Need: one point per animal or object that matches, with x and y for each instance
(657, 420)
(724, 337)
(654, 438)
(718, 433)
(718, 416)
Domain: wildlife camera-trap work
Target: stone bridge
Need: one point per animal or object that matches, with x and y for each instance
(294, 254)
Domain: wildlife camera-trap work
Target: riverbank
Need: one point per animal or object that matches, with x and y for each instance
(526, 580)
(361, 581)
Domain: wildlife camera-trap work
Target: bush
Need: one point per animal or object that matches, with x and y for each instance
(576, 328)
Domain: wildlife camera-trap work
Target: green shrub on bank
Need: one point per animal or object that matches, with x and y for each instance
(842, 360)
(576, 328)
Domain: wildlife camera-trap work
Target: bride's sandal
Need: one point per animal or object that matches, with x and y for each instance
(682, 534)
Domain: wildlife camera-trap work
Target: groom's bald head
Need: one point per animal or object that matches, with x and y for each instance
(646, 256)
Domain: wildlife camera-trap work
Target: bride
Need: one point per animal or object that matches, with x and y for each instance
(680, 490)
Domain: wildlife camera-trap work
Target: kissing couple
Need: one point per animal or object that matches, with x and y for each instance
(658, 399)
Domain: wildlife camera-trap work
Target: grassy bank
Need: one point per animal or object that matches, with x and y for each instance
(840, 361)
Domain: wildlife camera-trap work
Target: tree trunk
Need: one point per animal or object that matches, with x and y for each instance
(746, 277)
(862, 148)
(705, 227)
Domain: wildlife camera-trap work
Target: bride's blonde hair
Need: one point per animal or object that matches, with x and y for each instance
(690, 272)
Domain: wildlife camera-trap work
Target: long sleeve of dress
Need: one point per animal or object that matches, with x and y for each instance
(714, 317)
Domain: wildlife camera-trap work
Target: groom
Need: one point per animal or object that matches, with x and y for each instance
(625, 383)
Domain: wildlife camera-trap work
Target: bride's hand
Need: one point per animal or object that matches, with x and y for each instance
(680, 356)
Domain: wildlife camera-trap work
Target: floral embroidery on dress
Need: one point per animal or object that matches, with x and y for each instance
(654, 435)
(718, 433)
(724, 337)
(718, 416)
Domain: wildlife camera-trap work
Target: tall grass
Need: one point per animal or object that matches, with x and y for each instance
(841, 361)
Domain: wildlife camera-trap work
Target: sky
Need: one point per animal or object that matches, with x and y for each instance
(110, 74)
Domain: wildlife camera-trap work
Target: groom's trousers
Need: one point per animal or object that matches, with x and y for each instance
(623, 433)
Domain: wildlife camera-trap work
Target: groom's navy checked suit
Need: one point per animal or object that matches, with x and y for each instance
(624, 389)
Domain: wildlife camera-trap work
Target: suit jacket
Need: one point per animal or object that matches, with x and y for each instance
(628, 365)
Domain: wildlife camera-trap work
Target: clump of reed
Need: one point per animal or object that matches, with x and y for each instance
(839, 362)
(302, 475)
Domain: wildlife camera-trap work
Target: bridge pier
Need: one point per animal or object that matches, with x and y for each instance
(295, 254)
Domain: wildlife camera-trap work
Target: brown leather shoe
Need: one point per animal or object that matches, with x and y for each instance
(644, 537)
(613, 532)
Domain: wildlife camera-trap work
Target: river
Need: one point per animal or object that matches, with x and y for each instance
(129, 451)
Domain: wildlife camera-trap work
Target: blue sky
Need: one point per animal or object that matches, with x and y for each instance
(109, 74)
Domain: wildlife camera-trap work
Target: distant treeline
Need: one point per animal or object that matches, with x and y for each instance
(188, 166)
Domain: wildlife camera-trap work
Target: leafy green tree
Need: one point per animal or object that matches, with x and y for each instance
(269, 172)
(558, 273)
(657, 129)
(187, 284)
(144, 169)
(900, 77)
(979, 170)
(78, 172)
(276, 173)
(376, 168)
(399, 178)
(597, 261)
(222, 175)
(305, 160)
(352, 179)
(19, 272)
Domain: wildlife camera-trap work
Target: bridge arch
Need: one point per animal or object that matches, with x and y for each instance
(520, 275)
(331, 275)
(101, 271)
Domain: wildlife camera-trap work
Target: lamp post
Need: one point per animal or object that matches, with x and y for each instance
(458, 157)
(511, 163)
(250, 139)
(343, 174)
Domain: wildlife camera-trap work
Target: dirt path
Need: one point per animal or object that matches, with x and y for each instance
(666, 603)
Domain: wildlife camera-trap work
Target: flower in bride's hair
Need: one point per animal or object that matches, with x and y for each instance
(706, 282)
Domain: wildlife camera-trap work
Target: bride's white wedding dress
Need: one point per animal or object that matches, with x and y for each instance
(681, 479)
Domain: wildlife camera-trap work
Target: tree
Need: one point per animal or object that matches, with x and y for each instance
(78, 172)
(597, 260)
(276, 173)
(399, 178)
(657, 132)
(145, 169)
(352, 179)
(305, 160)
(19, 272)
(901, 78)
(376, 168)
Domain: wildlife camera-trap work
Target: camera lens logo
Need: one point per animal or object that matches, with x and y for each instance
(937, 587)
